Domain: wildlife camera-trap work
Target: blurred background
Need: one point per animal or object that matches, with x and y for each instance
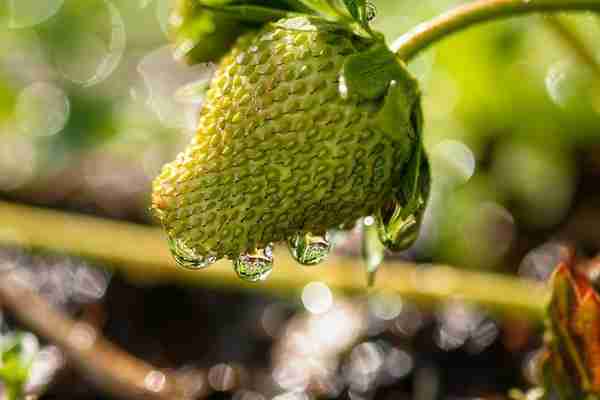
(90, 110)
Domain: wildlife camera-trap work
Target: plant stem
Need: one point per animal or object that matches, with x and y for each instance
(429, 32)
(583, 52)
(141, 253)
(116, 371)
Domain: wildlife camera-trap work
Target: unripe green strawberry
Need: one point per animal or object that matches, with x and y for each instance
(285, 145)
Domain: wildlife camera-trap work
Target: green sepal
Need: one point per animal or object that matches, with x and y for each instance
(205, 39)
(204, 30)
(360, 11)
(377, 73)
(369, 74)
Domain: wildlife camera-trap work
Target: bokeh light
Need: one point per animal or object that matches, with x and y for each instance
(317, 297)
(42, 109)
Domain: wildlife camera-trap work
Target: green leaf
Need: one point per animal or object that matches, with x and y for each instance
(370, 73)
(319, 6)
(203, 30)
(362, 11)
(353, 7)
(205, 36)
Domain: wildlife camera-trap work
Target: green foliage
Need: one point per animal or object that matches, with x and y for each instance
(204, 29)
(15, 363)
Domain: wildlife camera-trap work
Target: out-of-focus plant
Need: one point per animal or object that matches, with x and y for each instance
(568, 366)
(572, 367)
(17, 352)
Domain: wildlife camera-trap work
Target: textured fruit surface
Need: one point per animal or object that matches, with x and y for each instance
(280, 149)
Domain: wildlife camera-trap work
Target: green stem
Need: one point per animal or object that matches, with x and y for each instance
(583, 52)
(141, 253)
(429, 32)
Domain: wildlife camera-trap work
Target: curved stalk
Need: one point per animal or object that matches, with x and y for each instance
(429, 32)
(113, 369)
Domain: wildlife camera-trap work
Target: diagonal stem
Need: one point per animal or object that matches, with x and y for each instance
(462, 17)
(141, 254)
(111, 368)
(583, 52)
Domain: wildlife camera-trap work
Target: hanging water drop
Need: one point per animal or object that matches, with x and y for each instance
(372, 249)
(309, 249)
(398, 230)
(255, 265)
(187, 257)
(399, 220)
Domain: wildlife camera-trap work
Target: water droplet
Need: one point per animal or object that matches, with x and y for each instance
(372, 250)
(397, 231)
(343, 87)
(189, 258)
(399, 220)
(25, 13)
(256, 265)
(309, 249)
(42, 109)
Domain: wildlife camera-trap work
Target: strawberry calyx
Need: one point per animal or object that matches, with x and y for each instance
(203, 30)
